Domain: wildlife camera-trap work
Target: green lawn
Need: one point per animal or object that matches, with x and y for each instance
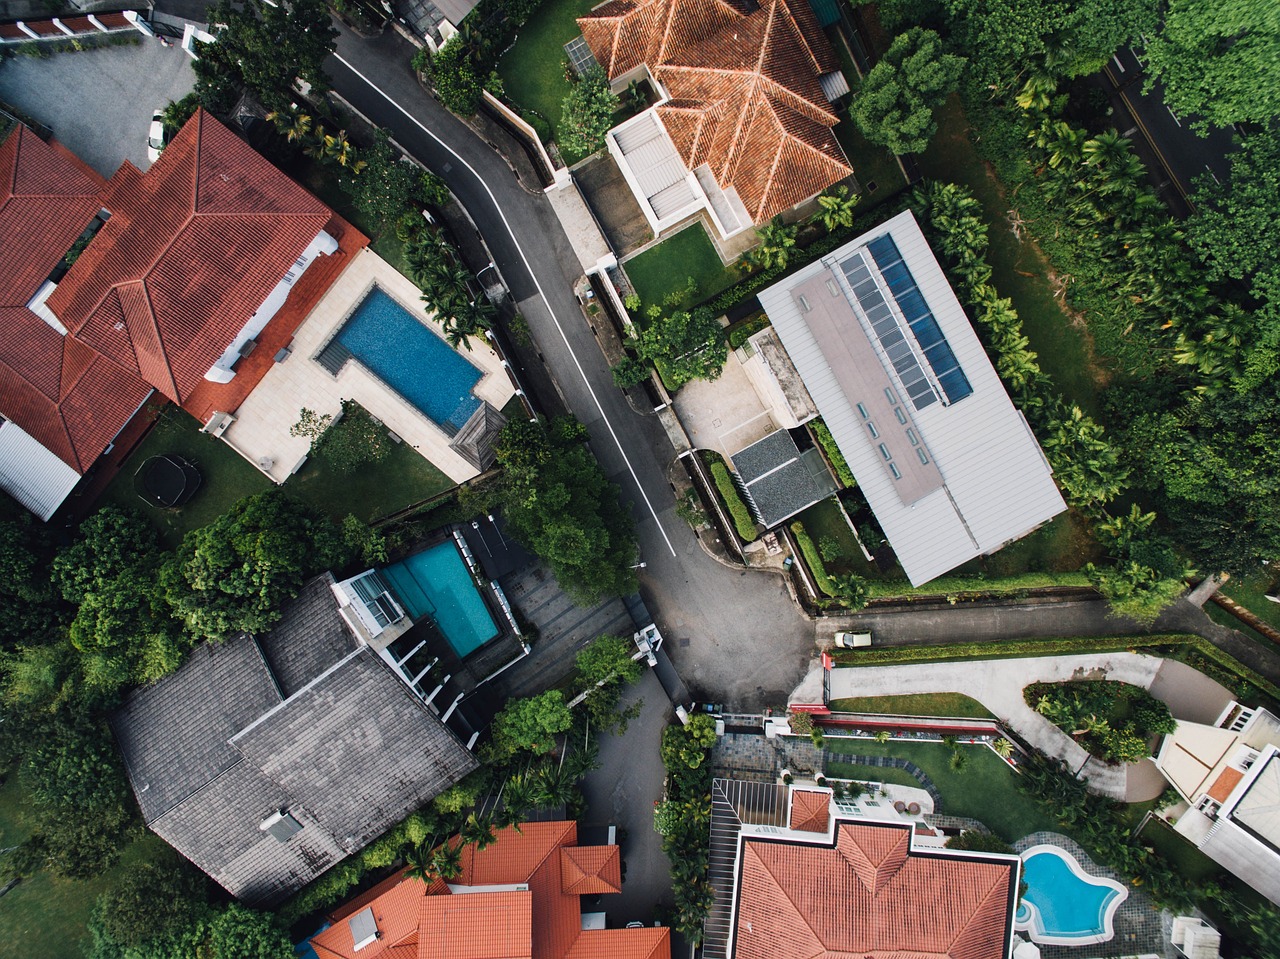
(227, 476)
(1019, 270)
(44, 909)
(667, 267)
(533, 69)
(404, 478)
(919, 704)
(985, 789)
(826, 520)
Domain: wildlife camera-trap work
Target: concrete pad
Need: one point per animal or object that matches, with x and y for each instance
(99, 102)
(1190, 694)
(724, 414)
(261, 431)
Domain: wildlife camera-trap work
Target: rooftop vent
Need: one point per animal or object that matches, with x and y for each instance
(281, 825)
(364, 929)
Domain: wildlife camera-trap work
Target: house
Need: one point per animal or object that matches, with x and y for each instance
(159, 284)
(948, 465)
(1228, 774)
(798, 874)
(742, 128)
(265, 760)
(520, 898)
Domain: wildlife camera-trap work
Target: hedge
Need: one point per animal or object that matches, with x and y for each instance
(828, 443)
(948, 586)
(813, 559)
(742, 518)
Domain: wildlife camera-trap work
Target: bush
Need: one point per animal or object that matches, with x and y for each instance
(828, 443)
(813, 559)
(742, 518)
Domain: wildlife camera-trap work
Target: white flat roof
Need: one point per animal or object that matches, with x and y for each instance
(970, 477)
(31, 474)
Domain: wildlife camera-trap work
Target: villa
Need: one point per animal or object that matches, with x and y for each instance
(267, 759)
(742, 128)
(1228, 774)
(520, 898)
(799, 874)
(884, 350)
(215, 282)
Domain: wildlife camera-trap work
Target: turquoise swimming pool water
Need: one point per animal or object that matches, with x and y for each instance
(437, 583)
(412, 360)
(1069, 907)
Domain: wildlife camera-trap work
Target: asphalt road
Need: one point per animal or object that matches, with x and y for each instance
(735, 636)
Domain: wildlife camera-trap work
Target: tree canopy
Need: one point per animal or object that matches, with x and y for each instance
(531, 724)
(894, 107)
(559, 504)
(1219, 60)
(263, 47)
(587, 113)
(688, 346)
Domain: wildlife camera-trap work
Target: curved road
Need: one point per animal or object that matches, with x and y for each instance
(734, 636)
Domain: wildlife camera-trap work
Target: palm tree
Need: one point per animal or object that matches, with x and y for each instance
(442, 862)
(882, 736)
(835, 208)
(554, 786)
(1037, 94)
(959, 760)
(1003, 748)
(777, 241)
(294, 125)
(479, 830)
(517, 798)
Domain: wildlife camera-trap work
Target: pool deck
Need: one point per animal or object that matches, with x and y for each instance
(261, 430)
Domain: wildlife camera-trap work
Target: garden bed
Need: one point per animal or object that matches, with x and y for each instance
(918, 704)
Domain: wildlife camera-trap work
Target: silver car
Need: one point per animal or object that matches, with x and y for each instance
(155, 136)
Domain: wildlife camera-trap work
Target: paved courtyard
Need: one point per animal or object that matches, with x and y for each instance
(99, 102)
(724, 414)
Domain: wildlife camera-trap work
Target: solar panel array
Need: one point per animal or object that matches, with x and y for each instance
(937, 351)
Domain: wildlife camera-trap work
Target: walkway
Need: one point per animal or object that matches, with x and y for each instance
(998, 685)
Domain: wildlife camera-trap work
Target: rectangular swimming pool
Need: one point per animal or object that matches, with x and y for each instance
(406, 355)
(437, 583)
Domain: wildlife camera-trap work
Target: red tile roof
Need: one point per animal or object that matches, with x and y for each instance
(543, 920)
(744, 83)
(67, 396)
(809, 810)
(870, 896)
(152, 291)
(590, 870)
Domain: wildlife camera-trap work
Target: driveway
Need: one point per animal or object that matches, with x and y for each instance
(99, 102)
(622, 792)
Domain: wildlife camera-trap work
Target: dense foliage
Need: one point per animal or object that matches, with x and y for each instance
(587, 113)
(605, 668)
(683, 818)
(1111, 720)
(895, 104)
(459, 70)
(848, 591)
(263, 47)
(743, 522)
(685, 346)
(531, 724)
(448, 288)
(558, 503)
(389, 186)
(354, 440)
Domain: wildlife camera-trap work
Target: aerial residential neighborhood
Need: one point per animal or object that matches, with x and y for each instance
(653, 479)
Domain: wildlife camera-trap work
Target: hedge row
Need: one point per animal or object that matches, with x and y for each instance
(828, 444)
(727, 299)
(742, 518)
(813, 559)
(949, 586)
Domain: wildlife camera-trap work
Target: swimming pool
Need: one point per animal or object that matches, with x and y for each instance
(1063, 904)
(437, 583)
(403, 353)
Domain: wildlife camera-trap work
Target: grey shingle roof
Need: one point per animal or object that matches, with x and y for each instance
(214, 749)
(780, 481)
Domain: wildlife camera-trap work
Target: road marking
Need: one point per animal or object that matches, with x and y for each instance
(533, 276)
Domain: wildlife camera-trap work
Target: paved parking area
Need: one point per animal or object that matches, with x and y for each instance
(99, 102)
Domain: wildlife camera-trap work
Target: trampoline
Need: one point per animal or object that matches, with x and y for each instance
(167, 481)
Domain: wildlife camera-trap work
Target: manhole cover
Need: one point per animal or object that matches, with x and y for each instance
(684, 643)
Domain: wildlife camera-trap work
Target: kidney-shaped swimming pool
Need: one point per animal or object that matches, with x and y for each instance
(1063, 904)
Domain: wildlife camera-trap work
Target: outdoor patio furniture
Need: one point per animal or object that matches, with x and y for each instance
(913, 808)
(899, 805)
(167, 481)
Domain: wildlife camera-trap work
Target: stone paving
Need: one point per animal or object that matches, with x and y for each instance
(1138, 925)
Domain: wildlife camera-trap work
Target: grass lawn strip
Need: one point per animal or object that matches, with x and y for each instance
(985, 789)
(917, 704)
(667, 267)
(375, 490)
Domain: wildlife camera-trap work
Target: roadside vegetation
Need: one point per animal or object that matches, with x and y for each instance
(683, 818)
(922, 704)
(1110, 720)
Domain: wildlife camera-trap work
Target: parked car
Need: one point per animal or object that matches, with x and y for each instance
(853, 640)
(156, 137)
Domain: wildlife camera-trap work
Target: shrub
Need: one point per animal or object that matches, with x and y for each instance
(813, 560)
(742, 518)
(828, 443)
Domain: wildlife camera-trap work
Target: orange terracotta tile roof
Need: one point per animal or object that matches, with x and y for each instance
(744, 85)
(1223, 785)
(541, 921)
(152, 291)
(871, 897)
(590, 870)
(810, 810)
(487, 925)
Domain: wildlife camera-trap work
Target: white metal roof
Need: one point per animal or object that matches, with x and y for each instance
(996, 484)
(31, 474)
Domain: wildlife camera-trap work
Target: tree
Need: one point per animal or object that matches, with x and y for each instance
(33, 610)
(690, 346)
(531, 723)
(1219, 60)
(777, 241)
(973, 840)
(587, 113)
(236, 573)
(607, 660)
(354, 441)
(895, 105)
(387, 187)
(264, 48)
(239, 932)
(835, 208)
(153, 900)
(559, 504)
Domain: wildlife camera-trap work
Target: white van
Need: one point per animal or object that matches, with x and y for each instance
(853, 640)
